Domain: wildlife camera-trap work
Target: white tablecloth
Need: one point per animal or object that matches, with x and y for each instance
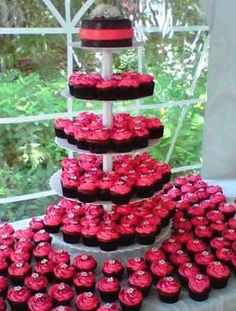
(220, 300)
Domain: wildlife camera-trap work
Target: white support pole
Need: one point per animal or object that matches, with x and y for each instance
(107, 64)
(69, 57)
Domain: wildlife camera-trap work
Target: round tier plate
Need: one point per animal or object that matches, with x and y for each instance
(65, 93)
(63, 143)
(136, 45)
(55, 185)
(134, 250)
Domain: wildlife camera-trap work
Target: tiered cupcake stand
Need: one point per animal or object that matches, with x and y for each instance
(107, 113)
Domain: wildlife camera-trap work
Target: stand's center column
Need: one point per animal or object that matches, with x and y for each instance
(107, 64)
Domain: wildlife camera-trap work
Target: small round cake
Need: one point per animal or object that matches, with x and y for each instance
(61, 294)
(130, 299)
(218, 273)
(17, 298)
(84, 282)
(40, 301)
(64, 273)
(106, 28)
(108, 288)
(199, 287)
(87, 302)
(168, 289)
(36, 283)
(84, 262)
(112, 267)
(141, 280)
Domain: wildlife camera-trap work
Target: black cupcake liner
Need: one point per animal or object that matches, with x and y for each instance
(18, 306)
(126, 240)
(71, 239)
(60, 133)
(71, 139)
(117, 275)
(170, 298)
(85, 92)
(199, 297)
(52, 229)
(156, 132)
(69, 192)
(140, 142)
(81, 290)
(109, 296)
(107, 94)
(128, 92)
(120, 199)
(146, 240)
(125, 146)
(144, 191)
(99, 147)
(130, 308)
(90, 241)
(147, 89)
(87, 197)
(108, 246)
(219, 283)
(81, 144)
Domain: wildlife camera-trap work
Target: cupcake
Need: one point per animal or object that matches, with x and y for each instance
(112, 268)
(196, 246)
(52, 222)
(108, 288)
(108, 307)
(141, 280)
(40, 301)
(64, 273)
(121, 192)
(59, 256)
(59, 126)
(69, 184)
(203, 259)
(215, 215)
(130, 299)
(36, 283)
(203, 232)
(3, 306)
(218, 227)
(146, 233)
(228, 210)
(168, 289)
(146, 85)
(71, 232)
(17, 298)
(224, 255)
(45, 267)
(154, 254)
(84, 282)
(218, 273)
(135, 264)
(20, 255)
(140, 137)
(127, 234)
(23, 233)
(85, 88)
(4, 284)
(87, 302)
(230, 235)
(107, 90)
(23, 244)
(128, 89)
(61, 294)
(5, 251)
(108, 239)
(89, 234)
(42, 236)
(99, 141)
(182, 236)
(160, 269)
(199, 287)
(18, 271)
(84, 263)
(41, 251)
(187, 270)
(87, 190)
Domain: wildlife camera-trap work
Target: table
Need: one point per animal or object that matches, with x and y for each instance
(220, 300)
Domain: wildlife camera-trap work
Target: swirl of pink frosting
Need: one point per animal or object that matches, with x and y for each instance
(18, 294)
(111, 266)
(108, 284)
(87, 301)
(84, 279)
(84, 262)
(59, 256)
(64, 271)
(218, 270)
(199, 283)
(140, 279)
(130, 296)
(168, 285)
(36, 282)
(109, 307)
(42, 302)
(61, 292)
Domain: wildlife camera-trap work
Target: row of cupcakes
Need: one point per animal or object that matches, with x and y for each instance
(139, 175)
(126, 85)
(127, 132)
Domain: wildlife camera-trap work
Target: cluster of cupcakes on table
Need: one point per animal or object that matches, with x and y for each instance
(128, 132)
(124, 225)
(200, 253)
(124, 86)
(141, 175)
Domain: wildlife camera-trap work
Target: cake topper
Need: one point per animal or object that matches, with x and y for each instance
(105, 11)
